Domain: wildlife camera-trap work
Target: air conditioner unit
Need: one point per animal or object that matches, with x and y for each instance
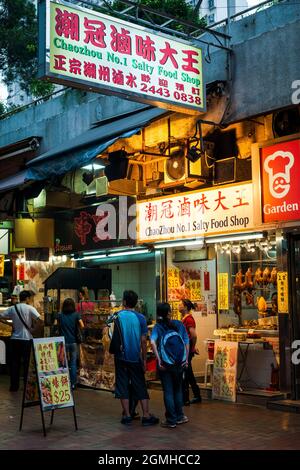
(179, 171)
(286, 122)
(123, 187)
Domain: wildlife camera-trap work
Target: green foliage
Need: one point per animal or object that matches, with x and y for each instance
(19, 38)
(18, 46)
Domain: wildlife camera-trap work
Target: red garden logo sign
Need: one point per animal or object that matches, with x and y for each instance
(280, 174)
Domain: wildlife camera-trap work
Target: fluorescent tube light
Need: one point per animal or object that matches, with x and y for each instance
(127, 253)
(232, 238)
(181, 242)
(112, 255)
(93, 166)
(89, 257)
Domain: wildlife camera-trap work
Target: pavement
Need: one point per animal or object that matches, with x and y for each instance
(212, 425)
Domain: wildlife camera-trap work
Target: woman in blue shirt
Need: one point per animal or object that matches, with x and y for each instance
(69, 321)
(170, 344)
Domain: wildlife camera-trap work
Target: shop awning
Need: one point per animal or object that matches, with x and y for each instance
(12, 182)
(83, 149)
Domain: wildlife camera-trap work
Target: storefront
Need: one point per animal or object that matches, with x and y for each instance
(219, 256)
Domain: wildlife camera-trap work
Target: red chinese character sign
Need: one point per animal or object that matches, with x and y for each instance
(280, 176)
(195, 214)
(85, 48)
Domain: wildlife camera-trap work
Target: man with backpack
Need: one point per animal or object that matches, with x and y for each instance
(170, 344)
(129, 346)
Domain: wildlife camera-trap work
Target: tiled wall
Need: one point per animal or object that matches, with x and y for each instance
(139, 277)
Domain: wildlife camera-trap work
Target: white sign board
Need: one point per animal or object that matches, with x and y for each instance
(90, 50)
(190, 215)
(4, 239)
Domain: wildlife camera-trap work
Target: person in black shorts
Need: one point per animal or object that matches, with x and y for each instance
(128, 345)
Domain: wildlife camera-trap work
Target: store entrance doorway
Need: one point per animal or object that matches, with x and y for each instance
(294, 255)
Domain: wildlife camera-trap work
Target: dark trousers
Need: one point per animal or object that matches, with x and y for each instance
(171, 380)
(20, 352)
(189, 380)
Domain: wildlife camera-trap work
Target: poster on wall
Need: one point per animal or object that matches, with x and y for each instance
(225, 370)
(223, 291)
(187, 283)
(2, 265)
(282, 292)
(184, 284)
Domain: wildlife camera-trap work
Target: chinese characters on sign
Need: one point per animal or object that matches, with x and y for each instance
(225, 370)
(196, 214)
(52, 372)
(282, 292)
(223, 288)
(105, 52)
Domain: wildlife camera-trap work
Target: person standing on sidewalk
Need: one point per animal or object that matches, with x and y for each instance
(170, 344)
(68, 322)
(23, 315)
(185, 308)
(129, 346)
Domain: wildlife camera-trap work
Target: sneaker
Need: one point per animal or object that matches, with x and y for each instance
(127, 420)
(150, 421)
(183, 420)
(166, 424)
(196, 400)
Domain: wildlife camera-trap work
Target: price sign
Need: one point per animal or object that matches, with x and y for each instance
(53, 373)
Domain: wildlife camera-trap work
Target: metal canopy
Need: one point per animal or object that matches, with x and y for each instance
(76, 278)
(133, 12)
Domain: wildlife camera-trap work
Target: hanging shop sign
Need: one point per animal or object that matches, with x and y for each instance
(86, 49)
(223, 290)
(190, 215)
(282, 292)
(225, 370)
(280, 176)
(110, 224)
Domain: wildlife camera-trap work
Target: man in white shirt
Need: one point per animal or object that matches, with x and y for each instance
(22, 315)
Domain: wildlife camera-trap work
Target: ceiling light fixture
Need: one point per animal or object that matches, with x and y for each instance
(182, 242)
(232, 238)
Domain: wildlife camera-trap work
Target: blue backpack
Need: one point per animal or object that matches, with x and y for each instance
(171, 348)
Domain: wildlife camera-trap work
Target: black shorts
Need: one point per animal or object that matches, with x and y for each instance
(130, 380)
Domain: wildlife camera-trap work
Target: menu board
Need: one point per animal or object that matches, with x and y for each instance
(52, 374)
(184, 284)
(225, 370)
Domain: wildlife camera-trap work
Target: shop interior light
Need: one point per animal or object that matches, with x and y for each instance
(232, 238)
(171, 244)
(93, 166)
(89, 257)
(114, 254)
(127, 253)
